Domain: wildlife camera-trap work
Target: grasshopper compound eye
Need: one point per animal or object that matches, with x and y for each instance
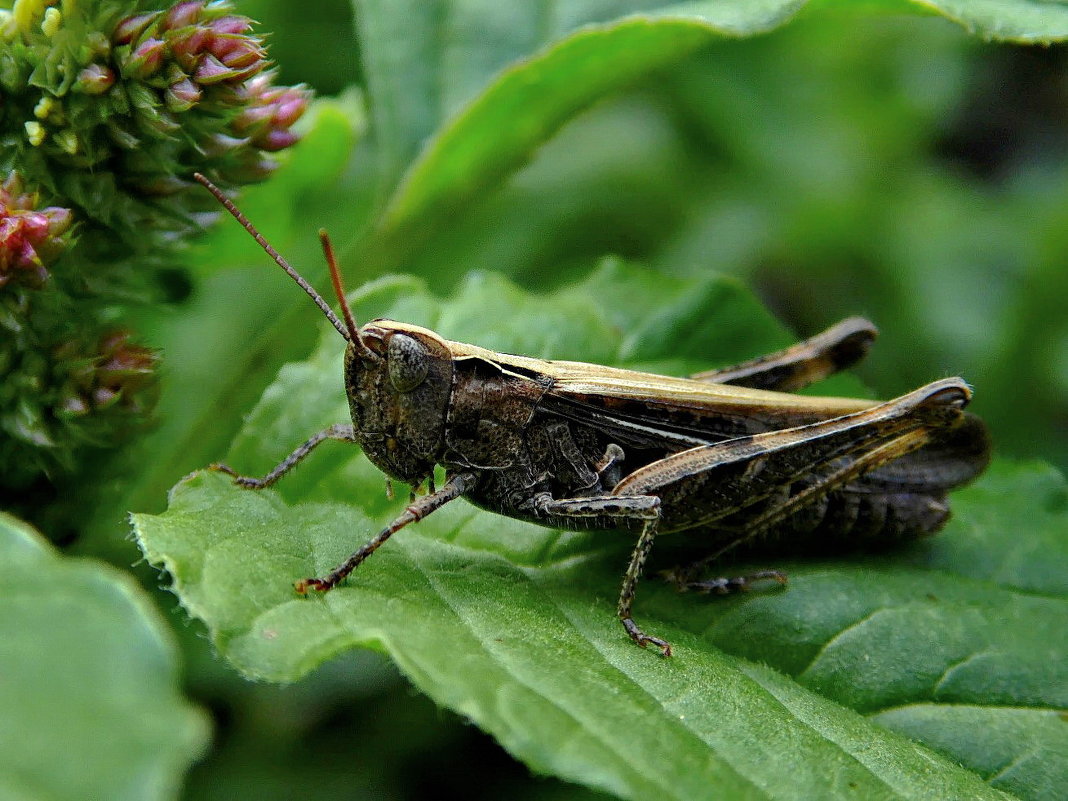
(408, 362)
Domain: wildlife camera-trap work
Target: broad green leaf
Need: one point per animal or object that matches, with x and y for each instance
(513, 625)
(500, 130)
(486, 85)
(90, 706)
(1024, 21)
(424, 61)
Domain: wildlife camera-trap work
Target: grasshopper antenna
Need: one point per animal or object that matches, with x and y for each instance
(270, 251)
(339, 290)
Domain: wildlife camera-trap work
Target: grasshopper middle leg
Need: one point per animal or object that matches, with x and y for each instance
(644, 508)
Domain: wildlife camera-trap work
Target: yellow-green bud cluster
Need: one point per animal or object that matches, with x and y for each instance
(127, 106)
(107, 107)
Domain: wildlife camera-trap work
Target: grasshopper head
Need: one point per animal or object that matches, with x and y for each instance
(398, 378)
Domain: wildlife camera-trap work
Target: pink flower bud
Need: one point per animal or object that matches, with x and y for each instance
(146, 59)
(237, 52)
(34, 226)
(29, 238)
(59, 220)
(259, 85)
(95, 79)
(132, 27)
(251, 119)
(188, 46)
(275, 140)
(9, 228)
(211, 70)
(231, 25)
(290, 108)
(181, 95)
(182, 15)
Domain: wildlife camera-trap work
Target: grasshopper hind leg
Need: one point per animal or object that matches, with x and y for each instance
(807, 362)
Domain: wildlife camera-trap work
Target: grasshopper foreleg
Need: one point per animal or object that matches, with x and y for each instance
(344, 433)
(645, 508)
(414, 512)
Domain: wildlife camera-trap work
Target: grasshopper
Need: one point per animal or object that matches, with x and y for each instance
(729, 454)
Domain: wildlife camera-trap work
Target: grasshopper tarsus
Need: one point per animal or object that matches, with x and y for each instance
(304, 585)
(725, 585)
(246, 482)
(645, 640)
(415, 511)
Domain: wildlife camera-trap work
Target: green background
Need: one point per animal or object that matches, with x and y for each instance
(872, 160)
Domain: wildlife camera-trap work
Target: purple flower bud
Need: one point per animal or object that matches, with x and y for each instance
(257, 86)
(9, 227)
(290, 107)
(34, 227)
(187, 47)
(59, 220)
(211, 70)
(236, 52)
(231, 25)
(252, 118)
(29, 260)
(29, 238)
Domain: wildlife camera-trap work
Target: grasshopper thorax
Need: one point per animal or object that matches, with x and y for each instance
(398, 378)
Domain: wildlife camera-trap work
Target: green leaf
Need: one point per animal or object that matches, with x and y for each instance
(486, 103)
(1024, 21)
(527, 104)
(89, 699)
(513, 625)
(425, 62)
